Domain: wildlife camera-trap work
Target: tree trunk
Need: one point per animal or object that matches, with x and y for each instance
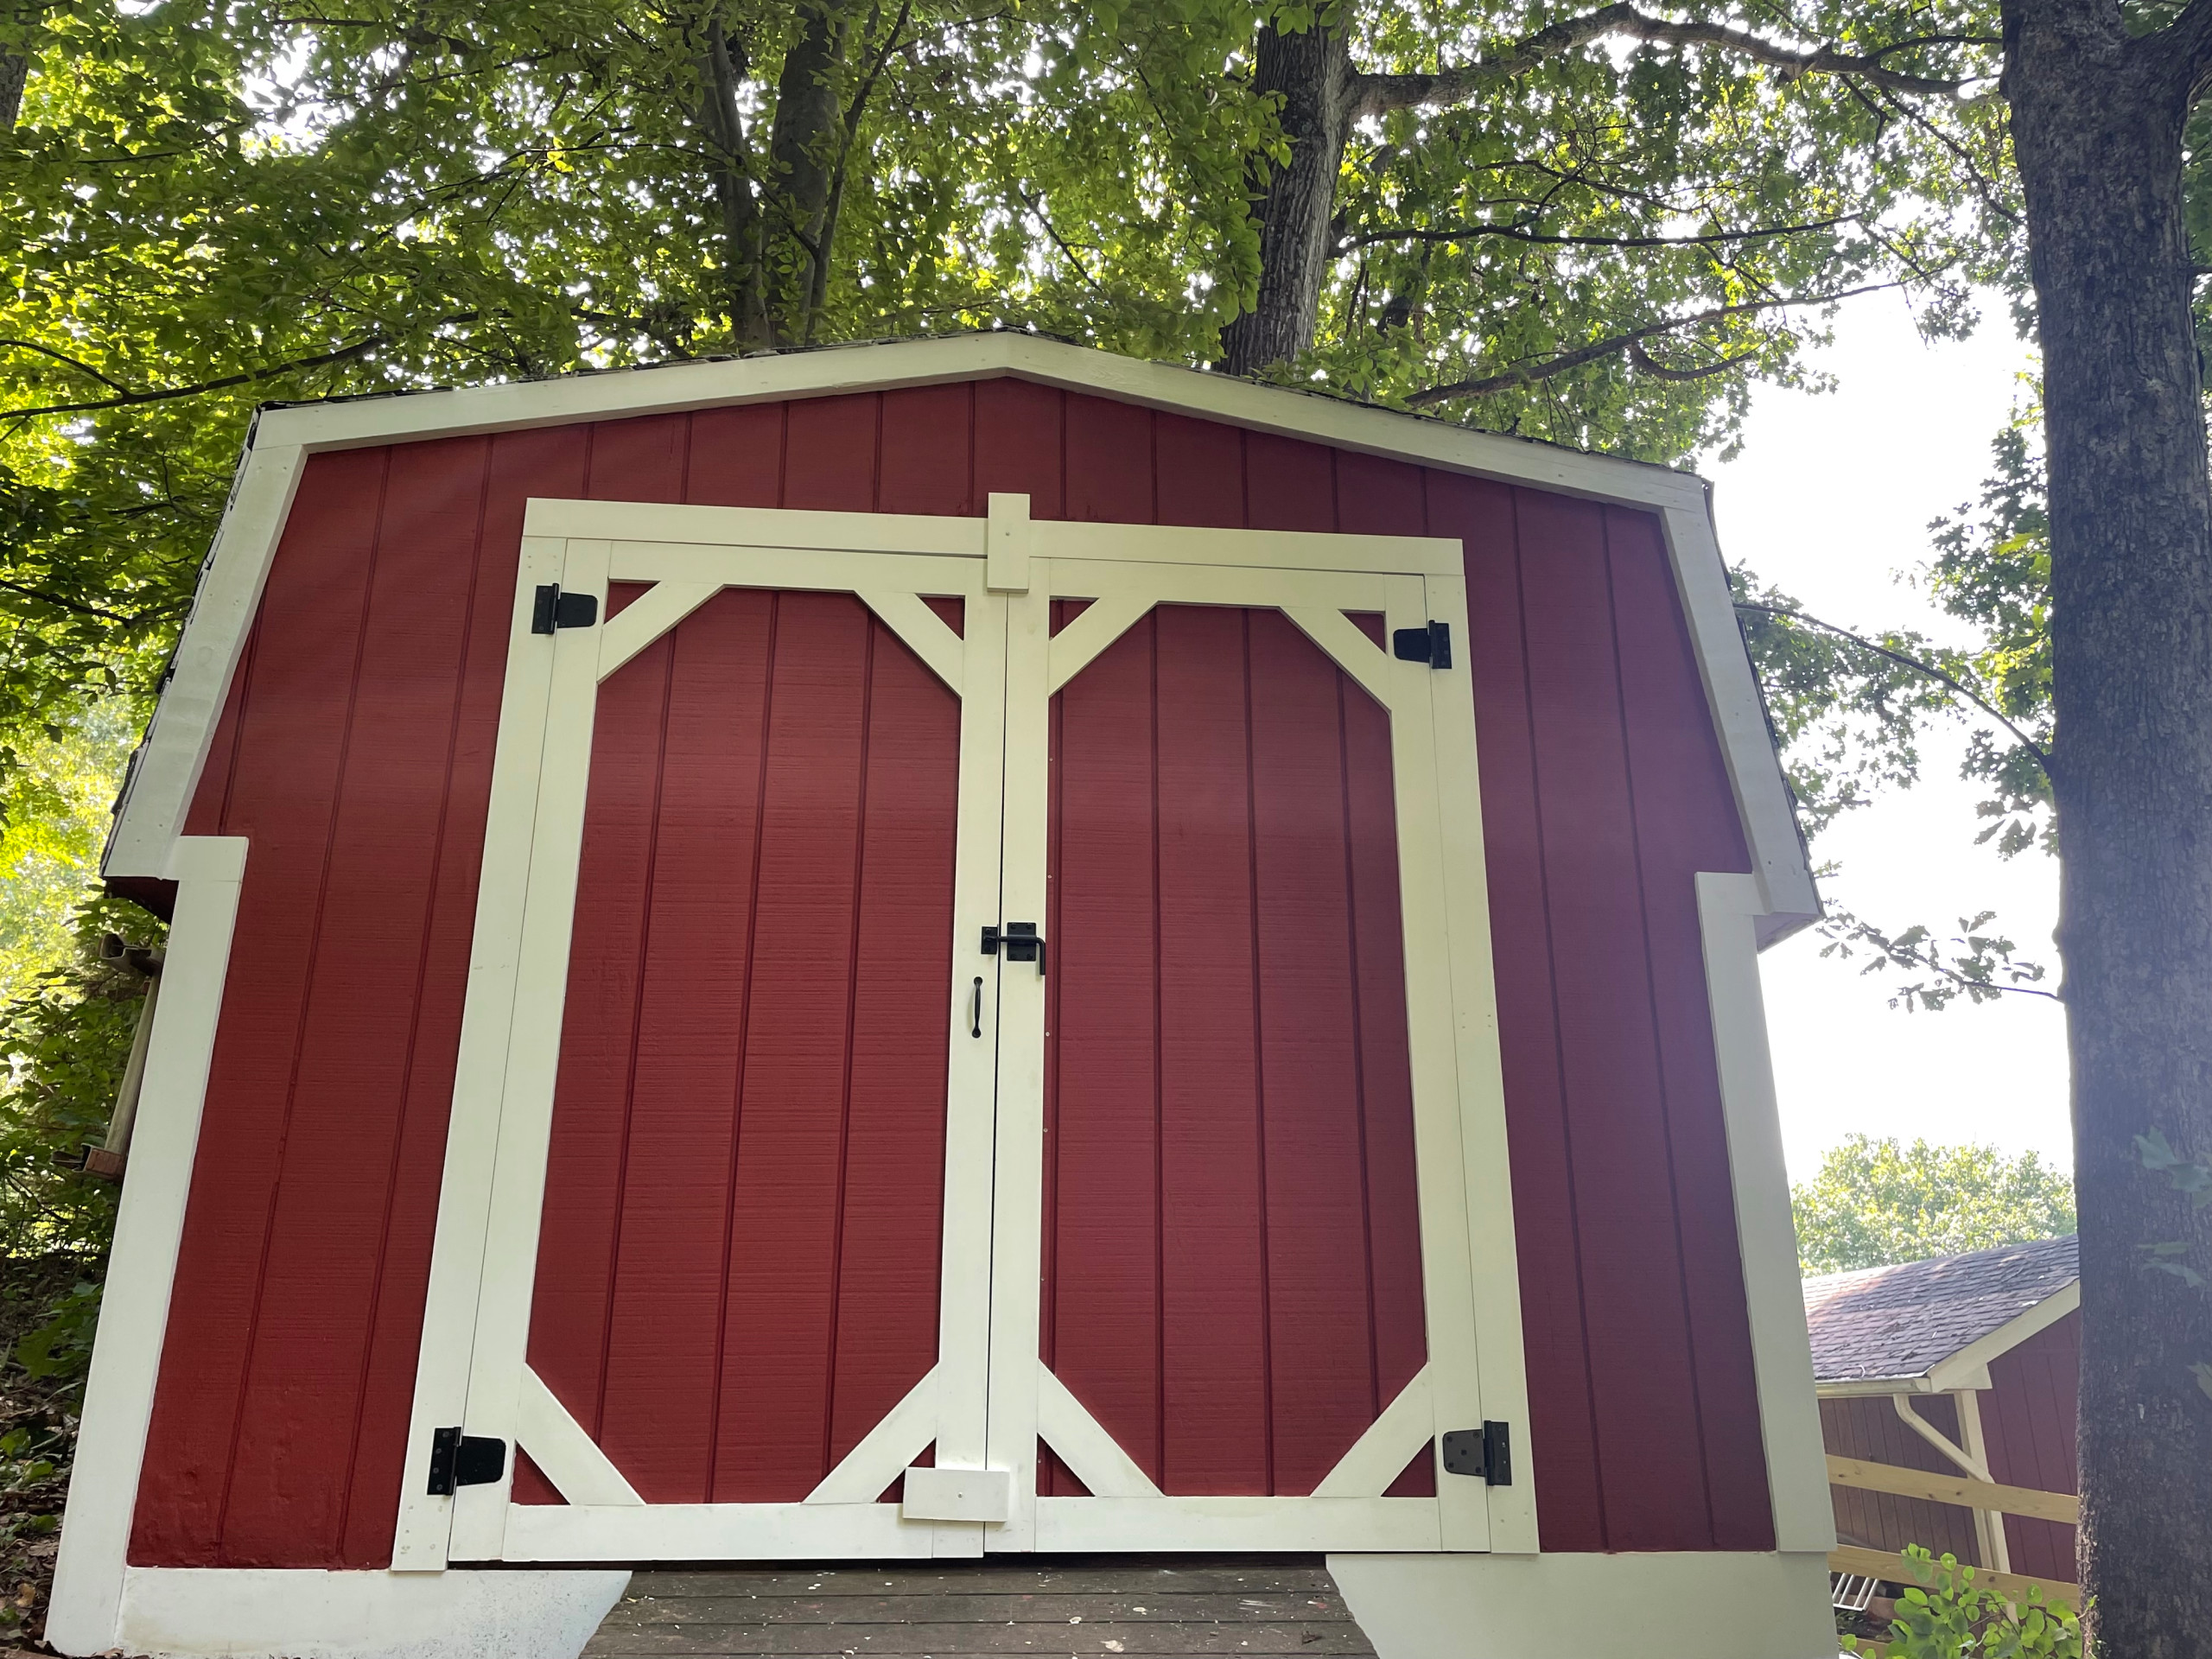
(2097, 130)
(802, 159)
(1312, 72)
(15, 70)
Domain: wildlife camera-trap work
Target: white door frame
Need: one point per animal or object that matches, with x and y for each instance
(473, 1369)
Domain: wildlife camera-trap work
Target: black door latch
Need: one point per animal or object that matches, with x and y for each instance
(459, 1459)
(1431, 645)
(1486, 1453)
(555, 609)
(1021, 943)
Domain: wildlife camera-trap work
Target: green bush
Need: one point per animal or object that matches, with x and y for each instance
(1953, 1617)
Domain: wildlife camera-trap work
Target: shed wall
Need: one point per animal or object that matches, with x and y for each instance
(2030, 1417)
(356, 754)
(1866, 1427)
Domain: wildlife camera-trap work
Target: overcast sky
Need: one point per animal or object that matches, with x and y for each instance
(1830, 501)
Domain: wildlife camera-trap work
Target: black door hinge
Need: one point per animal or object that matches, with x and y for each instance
(1431, 645)
(556, 609)
(459, 1459)
(1020, 941)
(1485, 1453)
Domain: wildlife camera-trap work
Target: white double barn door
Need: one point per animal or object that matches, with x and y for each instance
(1014, 678)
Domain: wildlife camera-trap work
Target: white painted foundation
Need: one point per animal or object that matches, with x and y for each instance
(1720, 1606)
(245, 1613)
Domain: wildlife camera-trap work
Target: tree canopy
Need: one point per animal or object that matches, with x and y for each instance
(1876, 1203)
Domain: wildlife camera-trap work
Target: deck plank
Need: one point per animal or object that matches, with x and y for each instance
(1083, 1608)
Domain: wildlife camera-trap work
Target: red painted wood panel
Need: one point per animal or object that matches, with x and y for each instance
(1214, 1291)
(2030, 1418)
(1601, 801)
(1683, 811)
(1869, 1429)
(738, 1277)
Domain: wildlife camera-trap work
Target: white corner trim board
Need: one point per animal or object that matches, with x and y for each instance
(1729, 909)
(167, 767)
(1589, 1606)
(271, 1613)
(149, 1228)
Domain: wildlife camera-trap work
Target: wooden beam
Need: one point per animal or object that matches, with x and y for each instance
(1881, 1564)
(1954, 1489)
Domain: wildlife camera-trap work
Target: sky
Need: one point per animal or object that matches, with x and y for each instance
(1830, 501)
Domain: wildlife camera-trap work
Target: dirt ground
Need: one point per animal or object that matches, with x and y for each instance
(38, 1437)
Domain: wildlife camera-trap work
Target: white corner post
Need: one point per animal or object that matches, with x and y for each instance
(1729, 909)
(142, 1264)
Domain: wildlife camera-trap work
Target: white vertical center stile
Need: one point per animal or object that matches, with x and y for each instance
(1017, 1244)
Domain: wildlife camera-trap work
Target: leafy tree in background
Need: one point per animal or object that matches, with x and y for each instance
(1875, 1203)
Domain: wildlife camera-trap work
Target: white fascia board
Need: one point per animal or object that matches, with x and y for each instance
(1788, 899)
(1973, 1360)
(167, 770)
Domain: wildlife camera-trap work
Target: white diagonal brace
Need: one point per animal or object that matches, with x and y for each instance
(1392, 1441)
(1091, 1454)
(570, 1458)
(942, 650)
(885, 1450)
(647, 617)
(1074, 647)
(1349, 648)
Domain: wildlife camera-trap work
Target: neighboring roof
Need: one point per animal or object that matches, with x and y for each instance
(163, 773)
(1915, 1322)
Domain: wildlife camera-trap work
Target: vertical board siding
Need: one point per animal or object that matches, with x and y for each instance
(1234, 1282)
(1867, 1428)
(2029, 1419)
(355, 752)
(738, 1272)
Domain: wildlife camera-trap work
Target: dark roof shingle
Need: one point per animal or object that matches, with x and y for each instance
(1903, 1321)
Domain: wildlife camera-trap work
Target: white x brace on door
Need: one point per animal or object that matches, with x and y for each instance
(1008, 617)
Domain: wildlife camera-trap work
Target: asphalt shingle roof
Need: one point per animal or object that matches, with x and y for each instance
(1903, 1321)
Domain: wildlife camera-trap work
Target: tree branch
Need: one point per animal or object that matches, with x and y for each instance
(1524, 373)
(2042, 756)
(164, 394)
(2184, 47)
(62, 357)
(1378, 94)
(1521, 233)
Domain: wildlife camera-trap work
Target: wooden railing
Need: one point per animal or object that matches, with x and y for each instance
(1966, 1493)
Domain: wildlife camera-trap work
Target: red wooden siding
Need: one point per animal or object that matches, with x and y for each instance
(1868, 1428)
(1232, 1276)
(738, 1267)
(2029, 1419)
(357, 760)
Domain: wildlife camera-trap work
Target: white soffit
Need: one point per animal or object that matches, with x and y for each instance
(166, 768)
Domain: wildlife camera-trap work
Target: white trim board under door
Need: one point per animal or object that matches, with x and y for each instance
(473, 1371)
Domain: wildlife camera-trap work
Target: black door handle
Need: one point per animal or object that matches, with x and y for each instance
(1021, 943)
(976, 1022)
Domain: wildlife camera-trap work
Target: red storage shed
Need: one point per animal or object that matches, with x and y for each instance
(947, 947)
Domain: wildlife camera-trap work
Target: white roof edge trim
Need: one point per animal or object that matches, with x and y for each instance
(159, 788)
(1975, 1355)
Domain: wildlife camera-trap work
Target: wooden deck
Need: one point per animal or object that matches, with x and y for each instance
(1078, 1607)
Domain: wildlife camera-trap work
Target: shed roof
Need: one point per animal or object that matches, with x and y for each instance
(1908, 1323)
(158, 787)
